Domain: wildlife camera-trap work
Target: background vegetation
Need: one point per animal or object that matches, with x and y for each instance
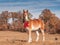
(52, 22)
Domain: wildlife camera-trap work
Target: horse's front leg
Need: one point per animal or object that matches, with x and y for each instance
(30, 39)
(37, 36)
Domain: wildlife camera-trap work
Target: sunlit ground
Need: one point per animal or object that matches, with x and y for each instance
(20, 38)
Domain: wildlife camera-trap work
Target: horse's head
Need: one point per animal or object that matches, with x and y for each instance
(25, 15)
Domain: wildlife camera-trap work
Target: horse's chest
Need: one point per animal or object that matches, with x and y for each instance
(26, 24)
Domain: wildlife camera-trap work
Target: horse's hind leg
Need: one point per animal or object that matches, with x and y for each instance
(43, 35)
(42, 30)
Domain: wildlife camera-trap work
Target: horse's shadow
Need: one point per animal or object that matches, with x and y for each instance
(21, 40)
(17, 40)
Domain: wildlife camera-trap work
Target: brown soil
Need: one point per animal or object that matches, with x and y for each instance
(20, 38)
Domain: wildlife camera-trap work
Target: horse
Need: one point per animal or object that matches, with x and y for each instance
(33, 25)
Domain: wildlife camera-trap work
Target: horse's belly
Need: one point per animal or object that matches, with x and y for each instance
(35, 28)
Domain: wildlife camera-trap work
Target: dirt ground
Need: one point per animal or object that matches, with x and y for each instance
(20, 38)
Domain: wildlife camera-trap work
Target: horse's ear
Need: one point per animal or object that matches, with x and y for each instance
(27, 10)
(23, 10)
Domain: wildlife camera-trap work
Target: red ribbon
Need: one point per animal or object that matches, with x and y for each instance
(26, 24)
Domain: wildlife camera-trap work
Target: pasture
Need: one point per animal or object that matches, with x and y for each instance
(20, 38)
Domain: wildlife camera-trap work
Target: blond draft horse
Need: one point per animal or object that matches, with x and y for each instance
(33, 25)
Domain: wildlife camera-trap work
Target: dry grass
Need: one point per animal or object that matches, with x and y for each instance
(19, 38)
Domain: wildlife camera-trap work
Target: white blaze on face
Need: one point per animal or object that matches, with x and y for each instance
(26, 17)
